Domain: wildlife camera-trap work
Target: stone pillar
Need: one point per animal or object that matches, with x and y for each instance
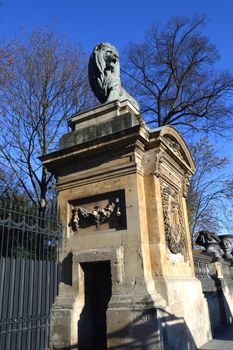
(121, 193)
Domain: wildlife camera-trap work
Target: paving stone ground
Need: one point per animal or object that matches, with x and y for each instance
(223, 340)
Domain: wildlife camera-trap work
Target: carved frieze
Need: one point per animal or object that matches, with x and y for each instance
(97, 216)
(102, 211)
(173, 219)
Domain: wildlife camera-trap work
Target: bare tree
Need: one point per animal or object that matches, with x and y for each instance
(172, 74)
(47, 82)
(210, 195)
(10, 185)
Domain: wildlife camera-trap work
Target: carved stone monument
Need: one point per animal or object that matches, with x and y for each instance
(104, 75)
(220, 246)
(127, 267)
(226, 245)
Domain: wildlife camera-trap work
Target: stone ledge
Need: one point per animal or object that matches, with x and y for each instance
(95, 131)
(102, 113)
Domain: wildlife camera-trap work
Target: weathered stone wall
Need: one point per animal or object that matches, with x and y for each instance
(216, 277)
(110, 157)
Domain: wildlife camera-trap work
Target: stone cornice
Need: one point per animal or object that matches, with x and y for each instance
(122, 142)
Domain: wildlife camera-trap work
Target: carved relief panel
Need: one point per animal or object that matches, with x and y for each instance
(100, 212)
(173, 218)
(176, 148)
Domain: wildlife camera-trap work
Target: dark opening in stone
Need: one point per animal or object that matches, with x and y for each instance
(98, 289)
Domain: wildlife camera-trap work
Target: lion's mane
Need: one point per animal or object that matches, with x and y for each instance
(104, 75)
(104, 71)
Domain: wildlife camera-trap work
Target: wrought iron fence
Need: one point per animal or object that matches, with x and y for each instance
(29, 249)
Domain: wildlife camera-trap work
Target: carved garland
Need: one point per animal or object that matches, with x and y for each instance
(173, 220)
(97, 216)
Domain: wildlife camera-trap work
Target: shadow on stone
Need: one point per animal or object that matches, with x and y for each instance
(92, 325)
(161, 331)
(154, 329)
(224, 333)
(66, 270)
(219, 310)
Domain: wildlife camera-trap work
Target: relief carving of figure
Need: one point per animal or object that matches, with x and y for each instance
(104, 75)
(227, 247)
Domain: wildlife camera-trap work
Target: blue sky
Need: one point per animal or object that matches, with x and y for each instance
(118, 22)
(91, 21)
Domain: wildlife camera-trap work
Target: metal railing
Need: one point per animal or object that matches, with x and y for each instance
(29, 255)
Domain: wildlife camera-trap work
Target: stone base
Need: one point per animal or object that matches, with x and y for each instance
(138, 322)
(64, 317)
(133, 329)
(131, 320)
(185, 321)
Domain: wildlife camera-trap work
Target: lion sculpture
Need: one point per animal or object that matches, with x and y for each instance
(104, 75)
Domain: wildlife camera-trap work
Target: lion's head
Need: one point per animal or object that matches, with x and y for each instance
(104, 70)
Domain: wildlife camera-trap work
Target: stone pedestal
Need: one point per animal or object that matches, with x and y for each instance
(121, 192)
